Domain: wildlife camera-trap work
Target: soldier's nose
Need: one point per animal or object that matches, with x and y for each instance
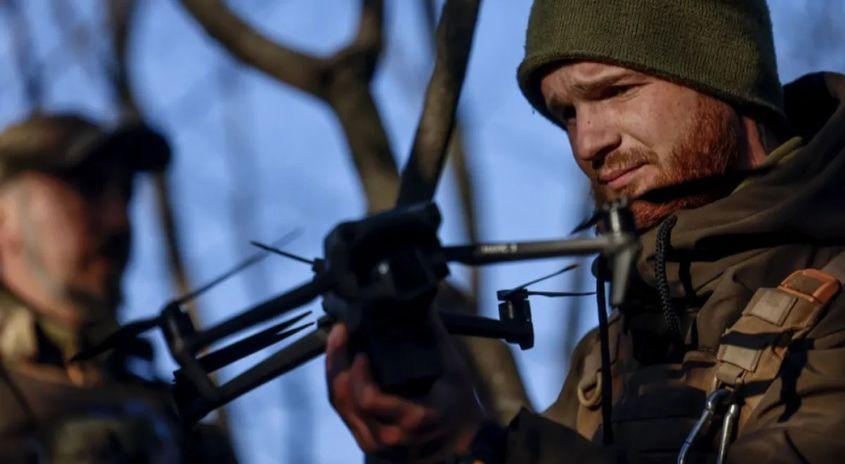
(594, 136)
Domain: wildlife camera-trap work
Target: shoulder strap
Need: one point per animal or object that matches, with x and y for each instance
(752, 349)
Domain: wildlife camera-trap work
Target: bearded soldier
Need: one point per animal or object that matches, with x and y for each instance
(731, 343)
(65, 184)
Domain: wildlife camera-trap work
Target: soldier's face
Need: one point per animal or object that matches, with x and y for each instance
(65, 240)
(631, 132)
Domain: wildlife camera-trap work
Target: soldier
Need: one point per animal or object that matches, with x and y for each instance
(65, 184)
(735, 303)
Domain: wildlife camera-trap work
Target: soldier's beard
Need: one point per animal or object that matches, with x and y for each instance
(712, 147)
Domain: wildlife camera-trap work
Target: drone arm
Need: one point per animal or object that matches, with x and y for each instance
(477, 326)
(487, 253)
(193, 408)
(262, 312)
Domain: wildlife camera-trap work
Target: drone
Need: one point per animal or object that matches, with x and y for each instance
(379, 276)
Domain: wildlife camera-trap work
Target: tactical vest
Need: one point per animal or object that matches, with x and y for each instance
(656, 407)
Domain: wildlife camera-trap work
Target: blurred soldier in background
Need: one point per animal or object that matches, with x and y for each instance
(65, 184)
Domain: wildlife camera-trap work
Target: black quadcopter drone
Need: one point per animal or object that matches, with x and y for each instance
(379, 276)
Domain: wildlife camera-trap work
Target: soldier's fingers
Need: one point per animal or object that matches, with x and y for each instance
(337, 351)
(385, 408)
(362, 433)
(391, 436)
(376, 419)
(340, 393)
(368, 395)
(399, 438)
(340, 389)
(392, 410)
(337, 371)
(341, 399)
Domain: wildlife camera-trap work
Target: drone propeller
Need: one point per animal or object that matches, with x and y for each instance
(280, 252)
(549, 276)
(118, 338)
(522, 289)
(255, 258)
(558, 294)
(588, 223)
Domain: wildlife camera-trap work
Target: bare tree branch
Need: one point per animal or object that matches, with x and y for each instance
(454, 37)
(28, 66)
(369, 37)
(341, 80)
(55, 62)
(289, 66)
(466, 191)
(75, 33)
(171, 242)
(456, 153)
(495, 374)
(120, 14)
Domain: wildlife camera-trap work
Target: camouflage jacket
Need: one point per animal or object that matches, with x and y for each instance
(96, 413)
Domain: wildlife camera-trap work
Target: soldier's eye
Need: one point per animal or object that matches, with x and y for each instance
(564, 114)
(617, 90)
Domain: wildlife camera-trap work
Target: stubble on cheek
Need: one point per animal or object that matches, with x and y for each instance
(712, 146)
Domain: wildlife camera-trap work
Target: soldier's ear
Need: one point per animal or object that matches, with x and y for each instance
(10, 234)
(4, 206)
(756, 143)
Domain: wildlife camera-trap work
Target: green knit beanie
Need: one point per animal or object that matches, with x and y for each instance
(723, 48)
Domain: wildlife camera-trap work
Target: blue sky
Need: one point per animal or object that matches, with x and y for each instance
(254, 159)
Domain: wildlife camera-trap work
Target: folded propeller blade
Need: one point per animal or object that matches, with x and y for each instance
(251, 344)
(549, 276)
(249, 261)
(588, 223)
(280, 252)
(556, 294)
(504, 294)
(118, 338)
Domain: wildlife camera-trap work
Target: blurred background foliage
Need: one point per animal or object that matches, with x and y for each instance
(256, 158)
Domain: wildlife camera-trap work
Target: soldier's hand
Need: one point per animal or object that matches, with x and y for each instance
(427, 429)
